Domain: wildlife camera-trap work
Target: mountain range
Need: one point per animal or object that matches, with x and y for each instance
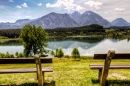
(55, 20)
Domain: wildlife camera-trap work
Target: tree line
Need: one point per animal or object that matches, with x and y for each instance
(90, 30)
(10, 33)
(86, 30)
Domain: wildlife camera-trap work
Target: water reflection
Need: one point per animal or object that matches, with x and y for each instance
(83, 42)
(86, 45)
(10, 43)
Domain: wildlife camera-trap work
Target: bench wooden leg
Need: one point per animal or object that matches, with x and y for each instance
(99, 74)
(37, 75)
(43, 77)
(39, 71)
(105, 69)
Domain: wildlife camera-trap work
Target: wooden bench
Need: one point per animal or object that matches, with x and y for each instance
(39, 70)
(103, 69)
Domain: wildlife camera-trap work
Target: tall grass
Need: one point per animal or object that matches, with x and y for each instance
(68, 72)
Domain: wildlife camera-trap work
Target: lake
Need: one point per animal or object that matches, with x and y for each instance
(86, 45)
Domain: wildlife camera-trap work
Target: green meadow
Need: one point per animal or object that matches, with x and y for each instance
(67, 72)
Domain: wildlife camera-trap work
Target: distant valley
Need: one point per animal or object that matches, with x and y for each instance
(55, 20)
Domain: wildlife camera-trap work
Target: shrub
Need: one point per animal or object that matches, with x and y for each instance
(59, 52)
(75, 53)
(7, 55)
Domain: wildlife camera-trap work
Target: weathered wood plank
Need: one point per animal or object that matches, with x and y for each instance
(39, 70)
(23, 60)
(117, 56)
(105, 69)
(120, 66)
(25, 70)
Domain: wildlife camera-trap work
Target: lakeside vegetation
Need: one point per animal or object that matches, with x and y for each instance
(67, 72)
(58, 53)
(85, 31)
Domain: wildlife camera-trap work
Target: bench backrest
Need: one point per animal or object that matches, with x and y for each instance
(116, 56)
(23, 60)
(108, 57)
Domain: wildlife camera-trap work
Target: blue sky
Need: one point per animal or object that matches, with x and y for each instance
(12, 10)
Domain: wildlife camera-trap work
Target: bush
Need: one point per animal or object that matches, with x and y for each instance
(59, 52)
(67, 56)
(52, 53)
(7, 55)
(1, 55)
(75, 53)
(16, 54)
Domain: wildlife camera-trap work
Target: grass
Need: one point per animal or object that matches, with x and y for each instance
(68, 72)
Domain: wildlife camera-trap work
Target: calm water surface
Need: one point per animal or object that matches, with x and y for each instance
(86, 46)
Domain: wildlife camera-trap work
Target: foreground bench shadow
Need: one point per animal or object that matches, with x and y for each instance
(113, 82)
(34, 84)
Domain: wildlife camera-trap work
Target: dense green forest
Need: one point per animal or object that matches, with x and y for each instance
(91, 30)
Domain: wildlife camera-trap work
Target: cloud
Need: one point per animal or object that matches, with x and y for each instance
(93, 4)
(60, 3)
(40, 4)
(67, 4)
(18, 6)
(119, 9)
(48, 5)
(24, 5)
(78, 8)
(106, 12)
(11, 1)
(28, 16)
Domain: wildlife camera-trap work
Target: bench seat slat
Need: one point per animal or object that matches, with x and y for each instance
(25, 70)
(94, 66)
(117, 56)
(23, 60)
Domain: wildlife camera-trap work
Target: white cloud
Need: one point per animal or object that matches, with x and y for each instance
(93, 4)
(67, 4)
(11, 1)
(40, 4)
(28, 16)
(48, 5)
(78, 8)
(106, 12)
(18, 6)
(59, 3)
(24, 5)
(119, 9)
